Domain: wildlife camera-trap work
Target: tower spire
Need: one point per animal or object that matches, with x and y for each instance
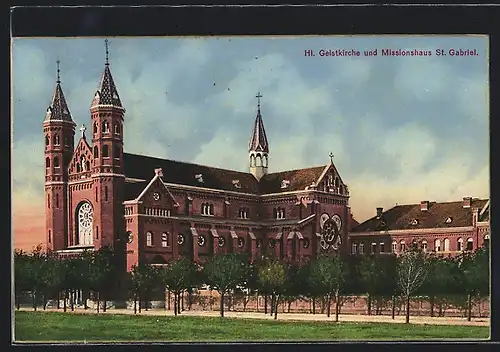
(107, 51)
(258, 96)
(58, 109)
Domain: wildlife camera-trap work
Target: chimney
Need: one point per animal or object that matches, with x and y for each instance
(379, 212)
(159, 172)
(467, 202)
(424, 205)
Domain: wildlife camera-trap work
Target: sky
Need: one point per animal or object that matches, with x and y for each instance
(402, 129)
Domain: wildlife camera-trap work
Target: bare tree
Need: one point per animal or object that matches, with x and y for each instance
(412, 271)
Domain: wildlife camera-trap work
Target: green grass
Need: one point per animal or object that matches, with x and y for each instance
(53, 326)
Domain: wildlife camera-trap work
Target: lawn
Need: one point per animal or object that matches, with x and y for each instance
(65, 327)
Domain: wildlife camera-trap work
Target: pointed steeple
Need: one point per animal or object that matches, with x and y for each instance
(258, 140)
(106, 93)
(58, 109)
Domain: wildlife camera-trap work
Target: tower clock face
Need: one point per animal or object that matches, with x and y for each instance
(323, 219)
(156, 196)
(338, 221)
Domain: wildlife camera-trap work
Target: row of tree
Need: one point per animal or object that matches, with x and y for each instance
(331, 278)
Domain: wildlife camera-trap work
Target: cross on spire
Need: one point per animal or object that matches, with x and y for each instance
(107, 51)
(258, 96)
(58, 77)
(331, 157)
(83, 129)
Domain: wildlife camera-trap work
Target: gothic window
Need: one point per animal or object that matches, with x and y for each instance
(56, 139)
(78, 167)
(374, 248)
(337, 182)
(361, 248)
(96, 152)
(149, 239)
(164, 239)
(105, 151)
(243, 213)
(252, 160)
(330, 180)
(50, 239)
(279, 213)
(460, 244)
(470, 244)
(105, 127)
(266, 159)
(437, 245)
(95, 127)
(394, 247)
(84, 223)
(87, 165)
(57, 200)
(97, 232)
(47, 140)
(48, 201)
(116, 152)
(446, 245)
(105, 193)
(47, 162)
(382, 247)
(56, 161)
(207, 209)
(117, 128)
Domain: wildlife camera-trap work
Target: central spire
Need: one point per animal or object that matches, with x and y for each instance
(258, 140)
(106, 94)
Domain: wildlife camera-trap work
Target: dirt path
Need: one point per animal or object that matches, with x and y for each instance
(297, 317)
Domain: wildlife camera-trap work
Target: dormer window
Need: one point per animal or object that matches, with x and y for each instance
(414, 222)
(236, 183)
(285, 184)
(199, 178)
(449, 220)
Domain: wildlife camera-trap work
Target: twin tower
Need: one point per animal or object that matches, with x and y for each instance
(97, 167)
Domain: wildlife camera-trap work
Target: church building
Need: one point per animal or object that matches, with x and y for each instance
(157, 209)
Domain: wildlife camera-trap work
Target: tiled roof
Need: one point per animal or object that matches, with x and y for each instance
(182, 173)
(405, 217)
(258, 140)
(106, 92)
(133, 189)
(58, 109)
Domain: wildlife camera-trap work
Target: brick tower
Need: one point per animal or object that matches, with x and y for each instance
(59, 132)
(108, 174)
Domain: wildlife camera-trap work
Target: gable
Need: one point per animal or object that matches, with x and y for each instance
(82, 159)
(330, 181)
(156, 192)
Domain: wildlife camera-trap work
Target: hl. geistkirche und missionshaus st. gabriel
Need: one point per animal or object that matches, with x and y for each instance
(97, 195)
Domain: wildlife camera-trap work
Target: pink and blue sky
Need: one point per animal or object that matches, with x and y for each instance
(403, 129)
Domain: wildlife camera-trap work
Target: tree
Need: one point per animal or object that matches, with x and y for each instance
(272, 277)
(178, 276)
(328, 275)
(225, 272)
(412, 269)
(103, 274)
(144, 279)
(22, 275)
(372, 276)
(476, 276)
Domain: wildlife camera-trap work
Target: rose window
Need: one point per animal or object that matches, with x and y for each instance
(85, 221)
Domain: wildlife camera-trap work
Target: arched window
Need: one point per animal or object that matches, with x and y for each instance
(78, 167)
(211, 209)
(105, 193)
(47, 162)
(95, 127)
(266, 160)
(56, 139)
(57, 200)
(446, 245)
(382, 247)
(47, 140)
(337, 182)
(394, 247)
(486, 240)
(105, 127)
(105, 151)
(116, 152)
(149, 239)
(361, 248)
(374, 248)
(164, 239)
(97, 232)
(470, 244)
(258, 160)
(117, 128)
(84, 224)
(252, 160)
(56, 161)
(96, 152)
(87, 165)
(354, 249)
(48, 201)
(460, 244)
(50, 239)
(424, 245)
(437, 245)
(402, 246)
